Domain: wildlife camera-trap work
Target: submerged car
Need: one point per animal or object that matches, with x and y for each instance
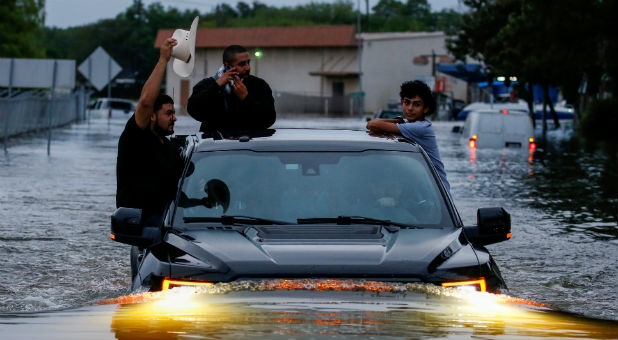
(301, 203)
(111, 107)
(498, 129)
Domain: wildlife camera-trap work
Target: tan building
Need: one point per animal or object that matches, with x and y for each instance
(316, 61)
(315, 69)
(389, 59)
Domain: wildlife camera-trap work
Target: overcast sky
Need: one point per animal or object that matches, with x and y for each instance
(66, 13)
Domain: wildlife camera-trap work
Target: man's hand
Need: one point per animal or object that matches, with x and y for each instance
(166, 49)
(240, 90)
(227, 77)
(371, 125)
(383, 125)
(150, 91)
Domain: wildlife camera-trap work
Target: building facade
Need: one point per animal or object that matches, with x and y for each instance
(389, 59)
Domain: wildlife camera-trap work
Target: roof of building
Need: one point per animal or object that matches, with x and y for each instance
(300, 36)
(400, 35)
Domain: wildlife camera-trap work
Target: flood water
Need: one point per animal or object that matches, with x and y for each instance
(62, 276)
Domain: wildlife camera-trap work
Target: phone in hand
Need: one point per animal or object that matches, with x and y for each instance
(227, 68)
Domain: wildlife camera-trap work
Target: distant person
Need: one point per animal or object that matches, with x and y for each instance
(233, 99)
(148, 165)
(417, 103)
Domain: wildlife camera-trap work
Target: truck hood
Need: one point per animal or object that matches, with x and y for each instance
(320, 250)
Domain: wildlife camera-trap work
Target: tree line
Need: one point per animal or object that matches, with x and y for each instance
(569, 44)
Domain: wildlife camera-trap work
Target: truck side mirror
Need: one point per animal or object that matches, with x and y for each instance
(127, 228)
(493, 225)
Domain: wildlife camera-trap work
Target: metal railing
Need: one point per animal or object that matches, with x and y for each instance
(36, 110)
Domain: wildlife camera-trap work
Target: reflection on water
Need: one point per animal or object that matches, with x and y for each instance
(562, 199)
(580, 188)
(382, 311)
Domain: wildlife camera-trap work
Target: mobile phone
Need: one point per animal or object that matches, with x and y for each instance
(227, 68)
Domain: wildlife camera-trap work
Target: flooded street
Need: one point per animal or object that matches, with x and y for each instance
(62, 275)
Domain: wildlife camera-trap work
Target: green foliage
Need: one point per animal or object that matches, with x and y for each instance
(600, 120)
(339, 13)
(550, 42)
(21, 23)
(396, 16)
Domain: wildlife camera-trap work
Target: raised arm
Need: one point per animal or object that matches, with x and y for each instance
(152, 87)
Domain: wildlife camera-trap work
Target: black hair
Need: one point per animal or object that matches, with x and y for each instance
(162, 99)
(230, 52)
(415, 88)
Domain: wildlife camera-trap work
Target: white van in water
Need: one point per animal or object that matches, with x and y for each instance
(498, 129)
(112, 107)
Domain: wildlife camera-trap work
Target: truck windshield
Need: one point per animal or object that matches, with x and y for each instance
(286, 186)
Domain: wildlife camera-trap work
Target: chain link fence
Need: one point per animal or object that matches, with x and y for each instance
(33, 111)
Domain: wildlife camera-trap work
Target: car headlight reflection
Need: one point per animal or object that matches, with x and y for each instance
(168, 283)
(476, 285)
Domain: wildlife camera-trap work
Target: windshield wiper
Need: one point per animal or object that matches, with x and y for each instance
(346, 220)
(237, 219)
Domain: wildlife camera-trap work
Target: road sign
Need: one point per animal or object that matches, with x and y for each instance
(99, 68)
(37, 73)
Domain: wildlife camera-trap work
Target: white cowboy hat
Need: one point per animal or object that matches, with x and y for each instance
(184, 52)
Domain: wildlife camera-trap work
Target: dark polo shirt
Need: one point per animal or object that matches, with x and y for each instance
(147, 171)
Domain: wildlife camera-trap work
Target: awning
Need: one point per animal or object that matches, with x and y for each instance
(471, 73)
(342, 74)
(343, 66)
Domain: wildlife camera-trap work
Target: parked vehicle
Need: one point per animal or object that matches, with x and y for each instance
(112, 107)
(393, 110)
(520, 106)
(498, 129)
(387, 114)
(301, 203)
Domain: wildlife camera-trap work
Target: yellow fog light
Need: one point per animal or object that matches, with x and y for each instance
(167, 283)
(479, 284)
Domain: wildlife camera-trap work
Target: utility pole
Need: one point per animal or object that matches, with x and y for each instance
(367, 26)
(361, 99)
(433, 63)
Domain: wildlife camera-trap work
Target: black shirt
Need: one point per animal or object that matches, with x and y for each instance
(218, 110)
(147, 171)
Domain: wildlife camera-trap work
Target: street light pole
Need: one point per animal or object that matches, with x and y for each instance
(433, 63)
(361, 98)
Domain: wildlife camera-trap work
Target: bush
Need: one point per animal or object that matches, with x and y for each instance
(601, 119)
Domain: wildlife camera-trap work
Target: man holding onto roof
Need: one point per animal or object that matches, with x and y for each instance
(417, 103)
(233, 99)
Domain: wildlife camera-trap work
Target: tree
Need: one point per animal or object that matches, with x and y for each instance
(396, 16)
(244, 10)
(551, 43)
(21, 25)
